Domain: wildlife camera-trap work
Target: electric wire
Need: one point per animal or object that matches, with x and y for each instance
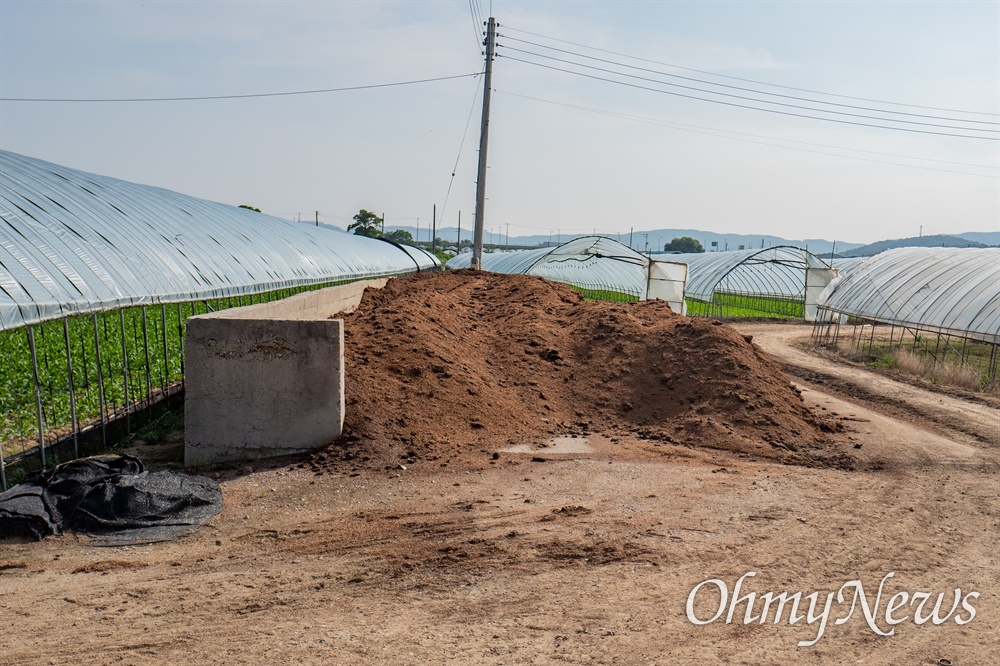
(478, 14)
(747, 106)
(247, 96)
(454, 170)
(744, 89)
(737, 78)
(750, 99)
(672, 123)
(710, 131)
(475, 26)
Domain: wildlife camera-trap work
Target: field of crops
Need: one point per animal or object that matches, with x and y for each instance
(115, 362)
(741, 305)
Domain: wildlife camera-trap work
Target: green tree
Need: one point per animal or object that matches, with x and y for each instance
(400, 236)
(683, 244)
(366, 223)
(249, 207)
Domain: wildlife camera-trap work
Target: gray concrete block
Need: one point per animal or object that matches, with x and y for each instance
(257, 388)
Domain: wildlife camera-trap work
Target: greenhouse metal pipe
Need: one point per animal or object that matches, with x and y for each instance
(38, 393)
(180, 333)
(145, 344)
(72, 391)
(128, 413)
(3, 470)
(100, 385)
(166, 363)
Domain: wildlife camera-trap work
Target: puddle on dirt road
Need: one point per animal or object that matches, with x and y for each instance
(555, 446)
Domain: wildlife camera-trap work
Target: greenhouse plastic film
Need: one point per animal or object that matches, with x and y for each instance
(73, 242)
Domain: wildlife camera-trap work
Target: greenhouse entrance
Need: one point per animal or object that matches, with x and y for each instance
(776, 283)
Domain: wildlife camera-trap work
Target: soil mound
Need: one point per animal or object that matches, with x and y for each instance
(447, 365)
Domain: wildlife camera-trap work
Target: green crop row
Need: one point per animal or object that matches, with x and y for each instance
(119, 359)
(739, 305)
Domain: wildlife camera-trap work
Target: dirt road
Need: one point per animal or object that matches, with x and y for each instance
(582, 552)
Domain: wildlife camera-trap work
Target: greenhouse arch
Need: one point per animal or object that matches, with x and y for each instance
(937, 302)
(598, 266)
(781, 281)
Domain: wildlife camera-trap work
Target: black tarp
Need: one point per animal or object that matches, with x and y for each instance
(107, 494)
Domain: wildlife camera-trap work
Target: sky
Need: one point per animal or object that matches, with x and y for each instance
(566, 152)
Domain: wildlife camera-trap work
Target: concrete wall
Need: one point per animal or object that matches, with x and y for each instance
(319, 304)
(267, 380)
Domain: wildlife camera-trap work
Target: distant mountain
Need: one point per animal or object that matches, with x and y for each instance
(655, 238)
(916, 241)
(986, 237)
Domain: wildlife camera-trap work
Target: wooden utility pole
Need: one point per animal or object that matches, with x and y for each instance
(317, 218)
(383, 225)
(459, 244)
(434, 229)
(484, 132)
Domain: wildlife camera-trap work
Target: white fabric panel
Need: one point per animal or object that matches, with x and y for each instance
(73, 242)
(666, 283)
(816, 281)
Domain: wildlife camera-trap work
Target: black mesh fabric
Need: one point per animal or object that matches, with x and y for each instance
(104, 495)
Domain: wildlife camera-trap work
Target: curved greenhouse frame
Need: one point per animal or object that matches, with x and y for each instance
(598, 266)
(776, 281)
(933, 300)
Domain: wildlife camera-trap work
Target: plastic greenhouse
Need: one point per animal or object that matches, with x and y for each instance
(935, 301)
(599, 267)
(98, 276)
(780, 281)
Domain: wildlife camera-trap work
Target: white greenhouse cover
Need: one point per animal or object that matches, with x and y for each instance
(948, 290)
(72, 242)
(591, 262)
(774, 271)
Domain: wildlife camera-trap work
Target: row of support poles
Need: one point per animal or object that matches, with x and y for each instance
(484, 132)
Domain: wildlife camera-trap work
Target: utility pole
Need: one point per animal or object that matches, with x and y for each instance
(484, 132)
(418, 232)
(459, 244)
(383, 225)
(508, 235)
(630, 230)
(434, 229)
(317, 218)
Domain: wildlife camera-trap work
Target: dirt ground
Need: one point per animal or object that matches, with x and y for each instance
(575, 546)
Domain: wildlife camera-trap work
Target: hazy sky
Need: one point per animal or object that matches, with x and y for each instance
(566, 152)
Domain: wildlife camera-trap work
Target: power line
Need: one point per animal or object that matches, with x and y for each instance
(454, 169)
(476, 25)
(751, 99)
(211, 97)
(744, 89)
(737, 78)
(747, 106)
(710, 131)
